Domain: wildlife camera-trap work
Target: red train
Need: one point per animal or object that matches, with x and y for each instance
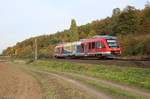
(98, 46)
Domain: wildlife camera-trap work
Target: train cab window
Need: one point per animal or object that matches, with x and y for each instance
(112, 43)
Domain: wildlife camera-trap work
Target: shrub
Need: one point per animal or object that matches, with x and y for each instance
(135, 45)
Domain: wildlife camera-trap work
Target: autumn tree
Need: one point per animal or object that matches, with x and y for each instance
(128, 21)
(145, 22)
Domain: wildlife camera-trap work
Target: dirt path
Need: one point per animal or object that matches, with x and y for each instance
(16, 84)
(69, 77)
(123, 87)
(89, 91)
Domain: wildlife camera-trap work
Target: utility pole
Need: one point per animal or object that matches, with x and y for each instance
(36, 48)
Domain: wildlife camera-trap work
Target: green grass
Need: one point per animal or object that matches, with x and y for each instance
(129, 75)
(121, 94)
(106, 88)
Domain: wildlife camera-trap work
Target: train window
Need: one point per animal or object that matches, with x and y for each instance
(93, 45)
(62, 50)
(79, 49)
(82, 48)
(100, 45)
(58, 50)
(90, 46)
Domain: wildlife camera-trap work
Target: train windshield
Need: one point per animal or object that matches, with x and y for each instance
(112, 43)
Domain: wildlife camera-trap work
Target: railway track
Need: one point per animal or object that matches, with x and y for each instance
(132, 58)
(144, 63)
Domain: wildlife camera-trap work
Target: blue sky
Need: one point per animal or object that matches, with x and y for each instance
(21, 19)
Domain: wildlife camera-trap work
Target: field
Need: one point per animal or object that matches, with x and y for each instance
(59, 79)
(128, 75)
(117, 81)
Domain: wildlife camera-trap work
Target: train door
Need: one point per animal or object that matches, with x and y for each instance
(82, 48)
(100, 47)
(61, 51)
(85, 47)
(93, 47)
(89, 47)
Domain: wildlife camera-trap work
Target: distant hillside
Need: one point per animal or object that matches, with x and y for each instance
(131, 25)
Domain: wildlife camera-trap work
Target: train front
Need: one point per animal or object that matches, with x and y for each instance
(113, 46)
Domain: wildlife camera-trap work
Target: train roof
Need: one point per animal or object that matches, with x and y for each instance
(68, 44)
(99, 37)
(95, 38)
(105, 36)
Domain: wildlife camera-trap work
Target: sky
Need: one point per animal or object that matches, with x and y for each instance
(22, 19)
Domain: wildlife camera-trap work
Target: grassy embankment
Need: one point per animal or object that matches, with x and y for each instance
(126, 75)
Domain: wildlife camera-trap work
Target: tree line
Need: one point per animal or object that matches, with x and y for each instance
(130, 25)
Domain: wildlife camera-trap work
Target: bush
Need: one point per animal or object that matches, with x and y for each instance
(132, 45)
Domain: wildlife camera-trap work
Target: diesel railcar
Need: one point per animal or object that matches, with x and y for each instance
(97, 46)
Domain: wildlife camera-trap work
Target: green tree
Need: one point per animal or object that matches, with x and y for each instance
(128, 21)
(116, 12)
(113, 21)
(84, 30)
(92, 33)
(74, 31)
(82, 35)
